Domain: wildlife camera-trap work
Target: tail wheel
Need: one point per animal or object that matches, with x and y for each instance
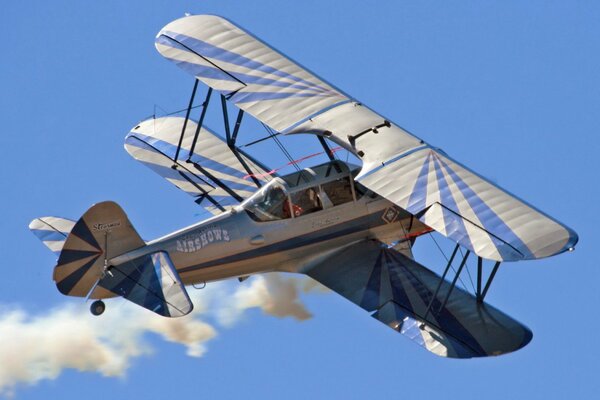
(97, 307)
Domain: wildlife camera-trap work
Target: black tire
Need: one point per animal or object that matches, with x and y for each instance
(97, 307)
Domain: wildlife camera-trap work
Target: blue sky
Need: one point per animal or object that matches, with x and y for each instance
(509, 88)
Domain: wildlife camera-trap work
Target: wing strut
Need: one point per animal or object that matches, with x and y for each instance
(326, 148)
(200, 122)
(452, 285)
(231, 139)
(217, 181)
(437, 289)
(204, 194)
(187, 117)
(481, 296)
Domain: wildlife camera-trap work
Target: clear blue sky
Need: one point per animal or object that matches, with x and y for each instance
(510, 88)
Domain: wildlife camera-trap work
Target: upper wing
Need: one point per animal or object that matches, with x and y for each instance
(442, 193)
(214, 174)
(400, 293)
(253, 76)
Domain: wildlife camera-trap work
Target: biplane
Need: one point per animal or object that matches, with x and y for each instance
(350, 227)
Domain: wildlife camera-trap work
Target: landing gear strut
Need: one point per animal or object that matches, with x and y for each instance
(97, 307)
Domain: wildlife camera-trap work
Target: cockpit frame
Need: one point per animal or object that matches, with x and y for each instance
(303, 192)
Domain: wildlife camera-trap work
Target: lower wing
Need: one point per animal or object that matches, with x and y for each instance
(411, 299)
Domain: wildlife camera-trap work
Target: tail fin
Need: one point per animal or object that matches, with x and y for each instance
(103, 232)
(52, 231)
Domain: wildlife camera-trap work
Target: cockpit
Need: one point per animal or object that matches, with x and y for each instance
(305, 192)
(268, 204)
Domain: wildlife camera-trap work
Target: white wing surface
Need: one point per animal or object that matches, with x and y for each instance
(212, 173)
(251, 74)
(461, 205)
(439, 191)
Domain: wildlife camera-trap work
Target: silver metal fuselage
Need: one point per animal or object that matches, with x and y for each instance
(234, 245)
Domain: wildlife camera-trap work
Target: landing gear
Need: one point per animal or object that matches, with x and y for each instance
(97, 307)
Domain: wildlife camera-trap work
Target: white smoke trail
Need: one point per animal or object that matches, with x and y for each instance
(272, 293)
(38, 347)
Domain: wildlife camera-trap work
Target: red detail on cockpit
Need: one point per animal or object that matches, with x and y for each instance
(286, 210)
(299, 160)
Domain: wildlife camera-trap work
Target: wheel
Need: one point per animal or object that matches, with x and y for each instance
(97, 307)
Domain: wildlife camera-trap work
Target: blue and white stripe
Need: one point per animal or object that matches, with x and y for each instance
(52, 231)
(154, 143)
(468, 209)
(260, 80)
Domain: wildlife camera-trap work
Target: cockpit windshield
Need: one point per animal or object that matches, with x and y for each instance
(270, 203)
(304, 192)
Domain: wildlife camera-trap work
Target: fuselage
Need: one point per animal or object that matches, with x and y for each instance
(236, 243)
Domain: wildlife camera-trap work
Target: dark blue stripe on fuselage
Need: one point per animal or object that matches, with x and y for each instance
(352, 226)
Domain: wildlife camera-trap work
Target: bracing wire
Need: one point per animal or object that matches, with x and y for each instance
(281, 147)
(467, 268)
(444, 254)
(182, 110)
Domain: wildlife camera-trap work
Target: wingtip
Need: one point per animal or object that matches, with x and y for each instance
(572, 242)
(34, 224)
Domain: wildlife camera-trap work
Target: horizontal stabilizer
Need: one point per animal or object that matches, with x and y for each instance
(52, 231)
(399, 292)
(152, 282)
(215, 174)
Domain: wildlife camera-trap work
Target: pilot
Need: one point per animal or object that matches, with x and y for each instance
(276, 200)
(313, 200)
(304, 202)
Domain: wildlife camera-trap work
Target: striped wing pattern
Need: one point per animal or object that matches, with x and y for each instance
(211, 174)
(398, 291)
(254, 76)
(52, 231)
(467, 208)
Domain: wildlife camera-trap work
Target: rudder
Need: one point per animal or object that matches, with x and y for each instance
(103, 232)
